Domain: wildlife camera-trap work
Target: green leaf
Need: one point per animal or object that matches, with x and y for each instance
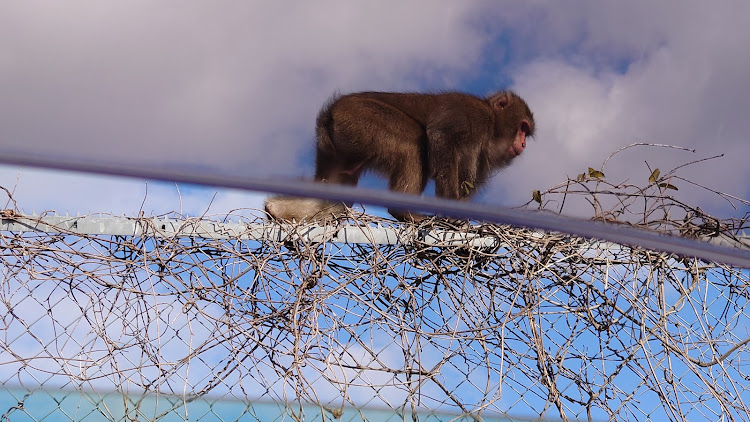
(654, 176)
(537, 196)
(581, 177)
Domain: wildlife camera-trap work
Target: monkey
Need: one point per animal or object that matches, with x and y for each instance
(458, 140)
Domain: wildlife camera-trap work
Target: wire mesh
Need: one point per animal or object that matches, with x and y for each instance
(544, 325)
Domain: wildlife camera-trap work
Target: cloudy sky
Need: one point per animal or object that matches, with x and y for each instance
(233, 87)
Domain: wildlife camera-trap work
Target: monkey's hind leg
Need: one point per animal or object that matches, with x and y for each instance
(290, 208)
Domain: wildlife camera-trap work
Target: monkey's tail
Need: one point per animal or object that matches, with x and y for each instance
(324, 126)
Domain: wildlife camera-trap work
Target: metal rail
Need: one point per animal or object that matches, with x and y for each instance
(208, 229)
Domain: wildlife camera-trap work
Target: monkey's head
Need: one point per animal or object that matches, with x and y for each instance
(514, 122)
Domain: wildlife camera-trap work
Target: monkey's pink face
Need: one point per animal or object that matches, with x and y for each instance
(519, 143)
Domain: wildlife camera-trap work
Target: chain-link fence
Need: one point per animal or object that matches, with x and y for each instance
(538, 325)
(542, 325)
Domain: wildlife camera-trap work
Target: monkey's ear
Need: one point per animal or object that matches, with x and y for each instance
(501, 100)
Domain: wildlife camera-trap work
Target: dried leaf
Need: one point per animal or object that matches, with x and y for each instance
(468, 187)
(654, 176)
(595, 173)
(667, 186)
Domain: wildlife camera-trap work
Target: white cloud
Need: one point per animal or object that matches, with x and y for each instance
(681, 82)
(204, 82)
(235, 86)
(223, 85)
(37, 190)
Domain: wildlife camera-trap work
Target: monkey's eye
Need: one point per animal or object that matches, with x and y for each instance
(525, 127)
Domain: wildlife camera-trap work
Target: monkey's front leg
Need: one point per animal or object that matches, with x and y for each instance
(445, 173)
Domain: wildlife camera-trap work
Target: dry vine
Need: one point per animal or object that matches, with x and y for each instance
(546, 325)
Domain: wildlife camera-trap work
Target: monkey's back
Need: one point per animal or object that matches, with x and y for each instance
(420, 107)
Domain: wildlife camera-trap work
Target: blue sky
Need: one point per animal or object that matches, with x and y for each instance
(235, 86)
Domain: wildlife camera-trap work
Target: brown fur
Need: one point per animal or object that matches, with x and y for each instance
(456, 139)
(291, 208)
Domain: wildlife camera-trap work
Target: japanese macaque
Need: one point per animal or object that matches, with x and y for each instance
(456, 139)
